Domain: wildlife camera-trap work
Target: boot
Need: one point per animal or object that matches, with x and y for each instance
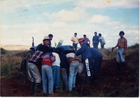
(37, 88)
(118, 66)
(123, 65)
(32, 87)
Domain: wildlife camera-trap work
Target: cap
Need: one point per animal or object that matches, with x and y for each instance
(80, 39)
(46, 38)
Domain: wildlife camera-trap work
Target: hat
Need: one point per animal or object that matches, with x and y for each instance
(46, 38)
(80, 39)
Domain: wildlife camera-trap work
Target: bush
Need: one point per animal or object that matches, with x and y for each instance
(3, 51)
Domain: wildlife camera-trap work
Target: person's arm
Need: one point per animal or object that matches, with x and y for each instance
(80, 51)
(89, 41)
(125, 45)
(92, 40)
(116, 45)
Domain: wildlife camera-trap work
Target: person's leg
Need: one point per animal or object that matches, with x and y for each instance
(71, 75)
(118, 60)
(57, 77)
(54, 70)
(122, 57)
(97, 66)
(64, 78)
(44, 78)
(75, 73)
(37, 80)
(75, 47)
(50, 79)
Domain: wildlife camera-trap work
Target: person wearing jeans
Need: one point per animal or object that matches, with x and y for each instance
(73, 69)
(74, 66)
(47, 75)
(122, 46)
(74, 39)
(56, 69)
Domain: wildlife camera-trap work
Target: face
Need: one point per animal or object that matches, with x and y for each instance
(121, 35)
(75, 34)
(81, 43)
(95, 34)
(46, 42)
(51, 38)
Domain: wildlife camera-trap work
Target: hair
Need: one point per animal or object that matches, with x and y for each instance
(84, 35)
(50, 35)
(75, 33)
(95, 32)
(121, 32)
(100, 34)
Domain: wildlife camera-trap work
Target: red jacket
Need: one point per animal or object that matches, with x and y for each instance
(48, 58)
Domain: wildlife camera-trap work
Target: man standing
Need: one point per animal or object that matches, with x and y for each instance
(102, 40)
(122, 46)
(86, 40)
(74, 39)
(95, 40)
(50, 37)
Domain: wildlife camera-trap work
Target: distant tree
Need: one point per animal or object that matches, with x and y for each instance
(60, 43)
(3, 51)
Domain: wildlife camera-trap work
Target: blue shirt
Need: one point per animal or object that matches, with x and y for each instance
(95, 53)
(84, 51)
(95, 39)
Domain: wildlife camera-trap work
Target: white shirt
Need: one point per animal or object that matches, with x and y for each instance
(57, 59)
(102, 38)
(70, 55)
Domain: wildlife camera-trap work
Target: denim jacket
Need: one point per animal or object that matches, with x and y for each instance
(84, 51)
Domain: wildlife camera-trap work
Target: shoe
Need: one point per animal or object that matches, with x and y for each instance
(32, 87)
(51, 93)
(118, 67)
(37, 88)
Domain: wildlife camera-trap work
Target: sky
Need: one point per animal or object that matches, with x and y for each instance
(23, 19)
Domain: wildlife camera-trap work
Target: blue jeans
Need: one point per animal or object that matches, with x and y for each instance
(63, 79)
(120, 56)
(95, 45)
(75, 46)
(72, 74)
(56, 76)
(47, 74)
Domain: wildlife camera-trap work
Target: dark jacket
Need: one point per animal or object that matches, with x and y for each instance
(64, 61)
(84, 51)
(95, 53)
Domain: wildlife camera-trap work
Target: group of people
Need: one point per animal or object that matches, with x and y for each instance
(51, 65)
(95, 40)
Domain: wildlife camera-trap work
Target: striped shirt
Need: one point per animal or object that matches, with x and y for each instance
(36, 56)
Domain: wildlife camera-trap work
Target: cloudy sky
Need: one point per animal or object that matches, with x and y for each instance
(23, 19)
